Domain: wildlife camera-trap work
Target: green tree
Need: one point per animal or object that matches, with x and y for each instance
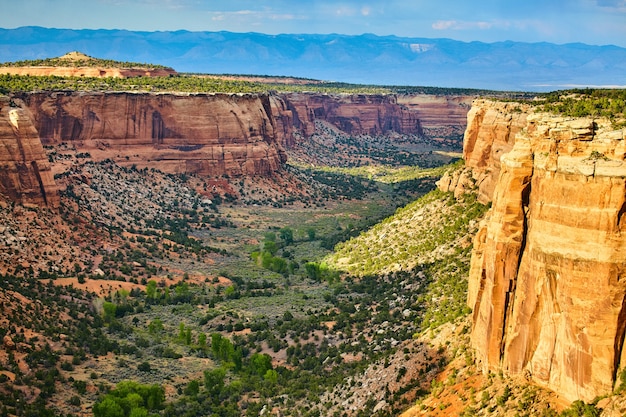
(192, 388)
(108, 407)
(155, 326)
(151, 288)
(270, 247)
(202, 340)
(271, 376)
(260, 363)
(109, 311)
(286, 234)
(214, 380)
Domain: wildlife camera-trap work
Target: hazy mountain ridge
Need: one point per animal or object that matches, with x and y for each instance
(367, 58)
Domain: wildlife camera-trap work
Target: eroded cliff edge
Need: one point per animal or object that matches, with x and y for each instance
(26, 177)
(547, 281)
(204, 134)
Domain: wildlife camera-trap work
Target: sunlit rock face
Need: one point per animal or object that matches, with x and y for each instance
(490, 133)
(352, 114)
(204, 134)
(88, 72)
(547, 281)
(25, 175)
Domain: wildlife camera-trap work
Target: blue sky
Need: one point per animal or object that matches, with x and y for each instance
(596, 22)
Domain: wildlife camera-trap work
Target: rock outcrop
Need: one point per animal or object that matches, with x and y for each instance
(353, 114)
(77, 64)
(437, 111)
(547, 281)
(25, 176)
(88, 71)
(205, 134)
(490, 133)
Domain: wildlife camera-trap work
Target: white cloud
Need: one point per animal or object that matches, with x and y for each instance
(346, 11)
(253, 15)
(460, 25)
(365, 11)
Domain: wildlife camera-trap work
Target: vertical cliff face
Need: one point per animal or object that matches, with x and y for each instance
(353, 114)
(548, 273)
(204, 134)
(26, 176)
(490, 133)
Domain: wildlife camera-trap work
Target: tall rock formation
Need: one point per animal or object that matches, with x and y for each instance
(25, 177)
(437, 111)
(206, 134)
(548, 276)
(353, 114)
(490, 133)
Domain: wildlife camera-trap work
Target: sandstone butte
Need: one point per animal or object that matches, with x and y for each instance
(85, 71)
(547, 280)
(205, 134)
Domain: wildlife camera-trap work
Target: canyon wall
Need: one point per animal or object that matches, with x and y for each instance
(353, 114)
(205, 134)
(437, 111)
(25, 177)
(547, 280)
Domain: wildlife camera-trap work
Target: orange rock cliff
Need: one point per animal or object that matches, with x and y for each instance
(547, 280)
(25, 175)
(205, 134)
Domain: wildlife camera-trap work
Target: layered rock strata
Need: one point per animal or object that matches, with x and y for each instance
(547, 281)
(437, 111)
(88, 72)
(352, 114)
(203, 134)
(490, 133)
(25, 177)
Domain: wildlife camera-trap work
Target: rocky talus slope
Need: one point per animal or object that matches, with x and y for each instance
(547, 280)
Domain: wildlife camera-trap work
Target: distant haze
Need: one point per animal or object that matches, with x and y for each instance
(366, 59)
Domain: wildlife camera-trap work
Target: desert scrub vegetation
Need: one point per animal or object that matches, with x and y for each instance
(610, 103)
(421, 232)
(428, 240)
(201, 84)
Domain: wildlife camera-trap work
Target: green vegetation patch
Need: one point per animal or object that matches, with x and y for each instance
(427, 229)
(610, 103)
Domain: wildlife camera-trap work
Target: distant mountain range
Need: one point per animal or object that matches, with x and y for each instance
(364, 59)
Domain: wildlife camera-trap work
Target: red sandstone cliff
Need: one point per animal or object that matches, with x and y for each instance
(206, 134)
(353, 114)
(25, 172)
(437, 111)
(194, 133)
(548, 277)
